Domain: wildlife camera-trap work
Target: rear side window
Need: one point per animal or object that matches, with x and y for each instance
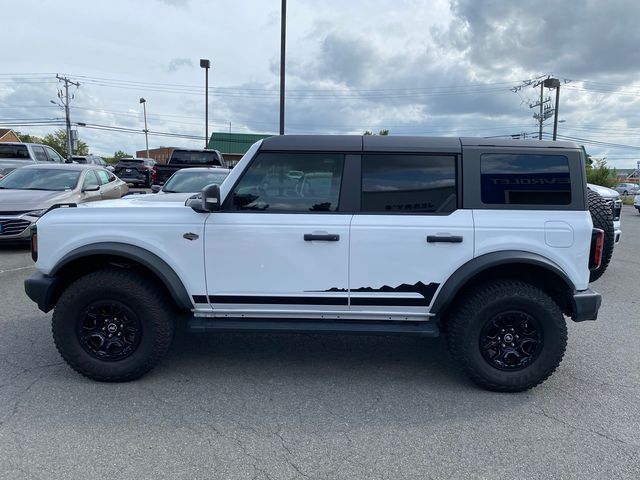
(402, 183)
(39, 153)
(14, 152)
(511, 179)
(290, 182)
(103, 176)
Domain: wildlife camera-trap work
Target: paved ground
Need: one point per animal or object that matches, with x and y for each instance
(288, 406)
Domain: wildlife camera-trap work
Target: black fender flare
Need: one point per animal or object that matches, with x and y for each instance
(479, 264)
(159, 267)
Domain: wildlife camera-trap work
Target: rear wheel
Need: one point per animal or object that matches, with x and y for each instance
(113, 325)
(602, 218)
(508, 336)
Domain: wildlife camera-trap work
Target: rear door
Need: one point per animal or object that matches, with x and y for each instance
(409, 236)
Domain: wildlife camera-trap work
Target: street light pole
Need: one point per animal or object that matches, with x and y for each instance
(283, 44)
(146, 130)
(206, 64)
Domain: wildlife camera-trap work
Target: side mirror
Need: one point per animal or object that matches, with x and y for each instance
(155, 188)
(91, 189)
(211, 198)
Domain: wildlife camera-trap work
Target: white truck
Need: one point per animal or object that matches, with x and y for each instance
(488, 241)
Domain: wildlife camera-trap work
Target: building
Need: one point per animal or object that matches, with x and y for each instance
(8, 135)
(160, 155)
(233, 145)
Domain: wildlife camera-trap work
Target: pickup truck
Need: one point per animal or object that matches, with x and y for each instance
(187, 158)
(15, 155)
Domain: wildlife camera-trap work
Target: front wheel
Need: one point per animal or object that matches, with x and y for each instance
(113, 325)
(508, 336)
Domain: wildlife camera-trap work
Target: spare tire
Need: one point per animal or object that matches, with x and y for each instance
(602, 218)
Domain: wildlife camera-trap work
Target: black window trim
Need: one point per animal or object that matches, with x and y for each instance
(458, 180)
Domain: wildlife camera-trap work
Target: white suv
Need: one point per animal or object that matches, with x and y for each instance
(489, 241)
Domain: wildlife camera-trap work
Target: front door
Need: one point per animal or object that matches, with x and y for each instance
(280, 246)
(409, 236)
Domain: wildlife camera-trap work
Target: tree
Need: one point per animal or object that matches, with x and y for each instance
(26, 138)
(381, 132)
(117, 155)
(58, 141)
(599, 174)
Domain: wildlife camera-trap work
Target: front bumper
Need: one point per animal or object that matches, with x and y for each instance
(42, 289)
(586, 304)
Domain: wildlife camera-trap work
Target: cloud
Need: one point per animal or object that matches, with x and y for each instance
(176, 64)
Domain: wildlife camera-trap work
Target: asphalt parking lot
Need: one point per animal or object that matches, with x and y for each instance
(292, 406)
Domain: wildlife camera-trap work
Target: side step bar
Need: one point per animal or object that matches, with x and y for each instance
(203, 324)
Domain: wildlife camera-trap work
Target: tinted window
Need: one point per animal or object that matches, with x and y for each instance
(510, 179)
(186, 157)
(14, 152)
(408, 183)
(290, 182)
(39, 153)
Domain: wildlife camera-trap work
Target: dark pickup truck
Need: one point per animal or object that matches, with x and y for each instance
(187, 158)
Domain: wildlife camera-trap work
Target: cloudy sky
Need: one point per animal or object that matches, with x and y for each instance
(441, 67)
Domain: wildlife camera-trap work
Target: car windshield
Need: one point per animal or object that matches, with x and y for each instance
(40, 179)
(14, 152)
(79, 159)
(192, 182)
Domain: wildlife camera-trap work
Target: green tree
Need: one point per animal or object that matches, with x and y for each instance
(117, 155)
(599, 174)
(58, 141)
(26, 138)
(381, 132)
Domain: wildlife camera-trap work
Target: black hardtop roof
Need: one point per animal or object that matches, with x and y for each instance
(396, 143)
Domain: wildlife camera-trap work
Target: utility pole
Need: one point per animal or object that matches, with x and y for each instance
(65, 101)
(545, 107)
(206, 64)
(283, 44)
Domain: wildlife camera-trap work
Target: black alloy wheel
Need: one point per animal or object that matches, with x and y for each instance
(511, 341)
(109, 330)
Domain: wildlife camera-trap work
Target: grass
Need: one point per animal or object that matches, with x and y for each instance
(628, 200)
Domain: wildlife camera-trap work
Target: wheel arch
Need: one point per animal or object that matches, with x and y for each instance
(516, 265)
(88, 258)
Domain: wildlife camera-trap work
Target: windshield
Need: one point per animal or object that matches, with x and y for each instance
(41, 179)
(186, 157)
(192, 182)
(80, 159)
(18, 152)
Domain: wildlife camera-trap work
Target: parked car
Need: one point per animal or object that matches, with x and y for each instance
(192, 180)
(16, 154)
(187, 158)
(627, 188)
(636, 202)
(92, 160)
(138, 171)
(487, 241)
(26, 193)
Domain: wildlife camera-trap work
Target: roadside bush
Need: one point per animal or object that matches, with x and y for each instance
(599, 174)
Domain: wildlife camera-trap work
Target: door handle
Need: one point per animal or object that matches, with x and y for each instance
(444, 238)
(322, 237)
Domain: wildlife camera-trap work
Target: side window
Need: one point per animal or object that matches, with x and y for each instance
(39, 153)
(512, 179)
(90, 180)
(290, 182)
(103, 176)
(53, 155)
(404, 183)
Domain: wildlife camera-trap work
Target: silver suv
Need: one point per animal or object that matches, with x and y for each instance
(16, 154)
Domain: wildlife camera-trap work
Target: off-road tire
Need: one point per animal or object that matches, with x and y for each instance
(141, 295)
(602, 218)
(478, 307)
